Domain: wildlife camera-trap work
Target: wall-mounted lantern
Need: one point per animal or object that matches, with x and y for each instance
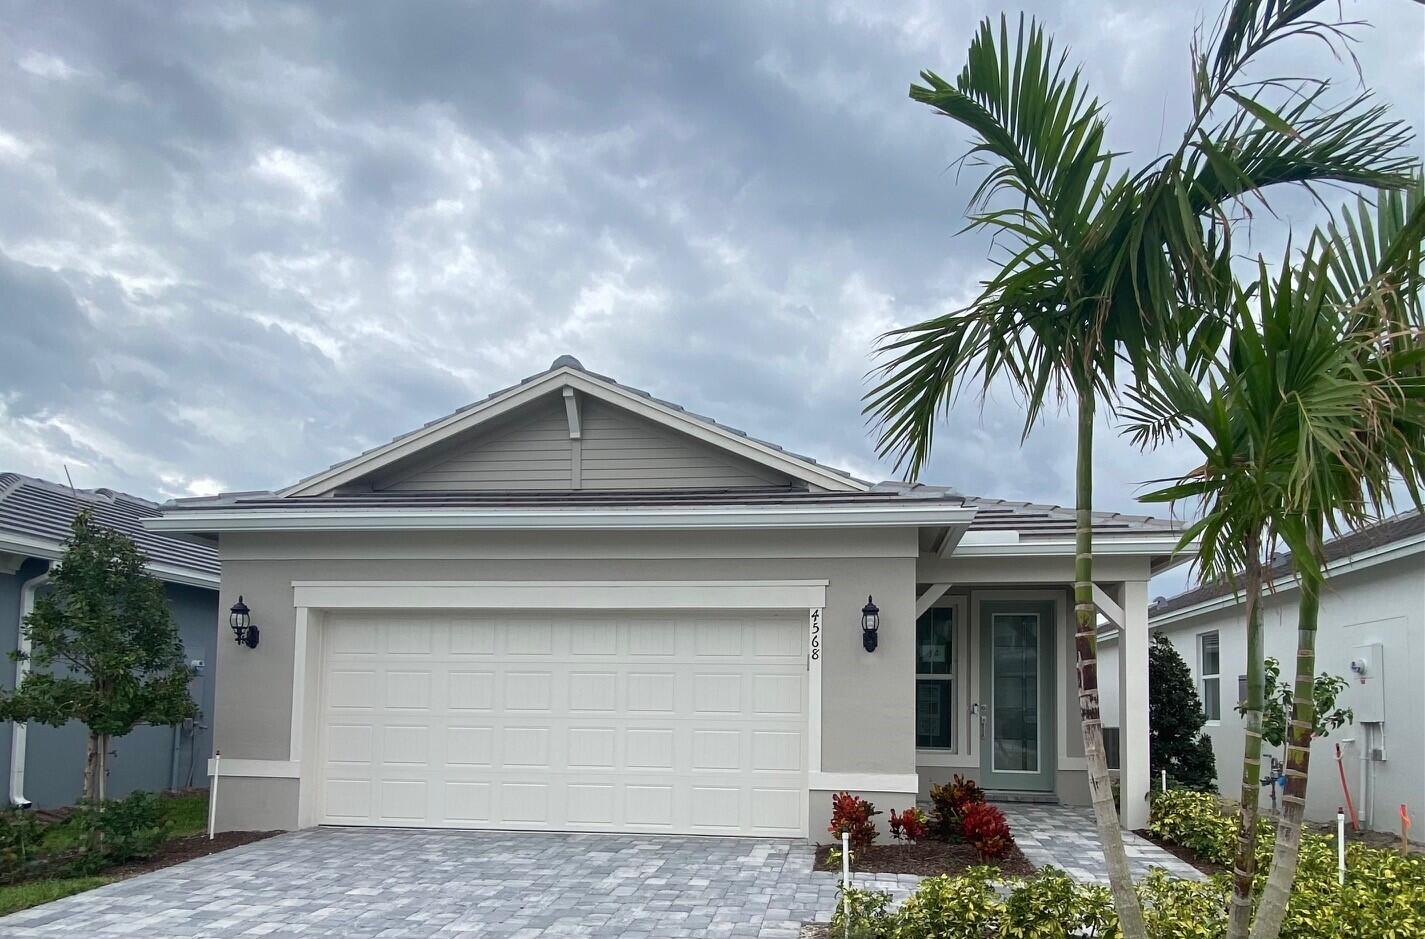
(870, 624)
(241, 620)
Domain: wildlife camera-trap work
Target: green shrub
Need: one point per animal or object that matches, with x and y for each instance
(119, 830)
(1383, 898)
(1043, 907)
(866, 912)
(963, 907)
(20, 834)
(1196, 821)
(1183, 909)
(1175, 720)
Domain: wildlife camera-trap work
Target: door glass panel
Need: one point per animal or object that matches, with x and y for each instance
(1015, 677)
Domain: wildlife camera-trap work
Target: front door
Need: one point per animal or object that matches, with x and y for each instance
(1017, 695)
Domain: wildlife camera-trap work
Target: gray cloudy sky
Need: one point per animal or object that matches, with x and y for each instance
(241, 241)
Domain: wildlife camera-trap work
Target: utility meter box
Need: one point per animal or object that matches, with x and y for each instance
(1367, 677)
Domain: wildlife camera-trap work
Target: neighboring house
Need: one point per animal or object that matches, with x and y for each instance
(44, 766)
(1372, 633)
(573, 606)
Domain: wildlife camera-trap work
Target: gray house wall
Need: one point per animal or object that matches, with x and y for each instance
(54, 763)
(867, 700)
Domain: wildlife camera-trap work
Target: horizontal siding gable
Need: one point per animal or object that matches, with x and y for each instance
(531, 451)
(617, 450)
(624, 451)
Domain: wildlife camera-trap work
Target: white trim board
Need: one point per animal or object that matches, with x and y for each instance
(561, 595)
(261, 769)
(568, 377)
(900, 783)
(562, 519)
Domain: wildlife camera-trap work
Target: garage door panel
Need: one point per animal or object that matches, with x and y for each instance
(599, 722)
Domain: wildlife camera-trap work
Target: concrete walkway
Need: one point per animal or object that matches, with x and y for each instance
(1066, 836)
(402, 884)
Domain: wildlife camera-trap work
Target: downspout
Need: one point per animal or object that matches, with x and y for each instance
(22, 668)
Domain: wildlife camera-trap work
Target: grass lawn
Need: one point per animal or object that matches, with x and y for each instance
(17, 897)
(187, 814)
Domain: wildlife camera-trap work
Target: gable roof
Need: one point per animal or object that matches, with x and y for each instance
(36, 515)
(567, 372)
(1344, 548)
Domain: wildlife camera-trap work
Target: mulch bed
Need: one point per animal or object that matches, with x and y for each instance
(1182, 854)
(186, 848)
(924, 858)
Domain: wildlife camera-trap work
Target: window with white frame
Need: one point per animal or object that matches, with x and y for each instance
(935, 679)
(1209, 670)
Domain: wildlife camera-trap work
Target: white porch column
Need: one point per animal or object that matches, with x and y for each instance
(1133, 773)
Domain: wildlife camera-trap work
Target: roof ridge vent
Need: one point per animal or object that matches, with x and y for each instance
(566, 361)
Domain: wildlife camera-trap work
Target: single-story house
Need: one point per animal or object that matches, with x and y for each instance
(44, 766)
(1371, 632)
(574, 606)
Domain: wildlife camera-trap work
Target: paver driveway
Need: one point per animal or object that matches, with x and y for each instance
(359, 883)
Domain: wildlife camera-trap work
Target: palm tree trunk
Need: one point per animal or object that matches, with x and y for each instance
(1120, 878)
(1244, 865)
(1282, 873)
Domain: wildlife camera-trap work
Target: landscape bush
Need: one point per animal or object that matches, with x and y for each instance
(117, 831)
(948, 804)
(20, 832)
(910, 825)
(852, 815)
(1383, 897)
(987, 831)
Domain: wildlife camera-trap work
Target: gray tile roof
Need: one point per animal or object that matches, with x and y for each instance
(34, 509)
(1379, 535)
(1029, 519)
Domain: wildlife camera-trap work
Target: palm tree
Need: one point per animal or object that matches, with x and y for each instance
(1373, 271)
(1315, 406)
(1099, 265)
(1289, 393)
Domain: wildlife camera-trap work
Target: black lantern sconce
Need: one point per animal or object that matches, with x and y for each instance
(241, 620)
(870, 624)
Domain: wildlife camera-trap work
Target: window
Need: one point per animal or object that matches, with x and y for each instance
(935, 679)
(1209, 675)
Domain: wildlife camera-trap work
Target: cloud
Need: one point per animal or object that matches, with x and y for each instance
(240, 242)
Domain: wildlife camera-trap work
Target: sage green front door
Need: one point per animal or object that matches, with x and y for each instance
(1017, 695)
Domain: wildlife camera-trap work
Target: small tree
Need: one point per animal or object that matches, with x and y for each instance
(1276, 714)
(103, 648)
(1176, 719)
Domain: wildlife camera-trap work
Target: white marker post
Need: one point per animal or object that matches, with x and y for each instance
(846, 882)
(1164, 774)
(1340, 847)
(213, 794)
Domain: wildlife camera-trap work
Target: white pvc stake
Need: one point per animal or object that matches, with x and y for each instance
(1341, 847)
(1165, 779)
(213, 794)
(846, 882)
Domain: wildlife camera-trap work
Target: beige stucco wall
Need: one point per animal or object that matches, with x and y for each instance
(867, 700)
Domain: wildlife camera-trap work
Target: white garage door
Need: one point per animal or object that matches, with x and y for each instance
(688, 722)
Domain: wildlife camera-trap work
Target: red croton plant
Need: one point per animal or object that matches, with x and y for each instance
(910, 825)
(852, 815)
(986, 829)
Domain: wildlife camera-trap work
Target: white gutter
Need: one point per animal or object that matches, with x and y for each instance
(1355, 562)
(561, 518)
(1102, 545)
(22, 669)
(53, 551)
